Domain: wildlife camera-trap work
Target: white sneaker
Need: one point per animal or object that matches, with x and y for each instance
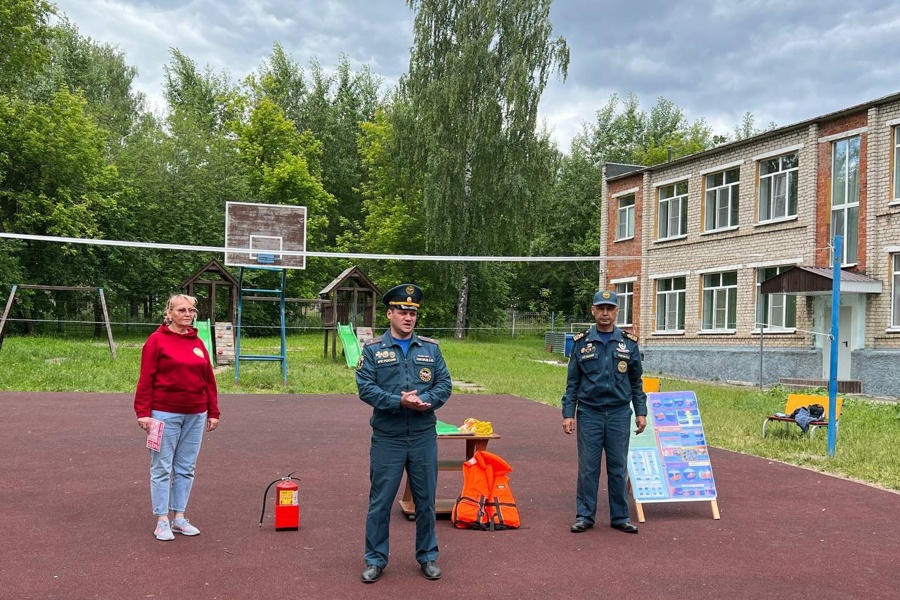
(163, 531)
(184, 527)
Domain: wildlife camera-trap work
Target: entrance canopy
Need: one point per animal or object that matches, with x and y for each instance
(818, 281)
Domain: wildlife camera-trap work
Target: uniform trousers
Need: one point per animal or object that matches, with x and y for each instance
(389, 457)
(600, 431)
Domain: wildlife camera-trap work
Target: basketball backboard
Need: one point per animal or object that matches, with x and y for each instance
(258, 235)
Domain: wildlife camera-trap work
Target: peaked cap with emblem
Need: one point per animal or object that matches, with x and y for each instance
(605, 297)
(405, 296)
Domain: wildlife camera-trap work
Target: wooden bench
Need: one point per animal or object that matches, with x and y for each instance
(795, 401)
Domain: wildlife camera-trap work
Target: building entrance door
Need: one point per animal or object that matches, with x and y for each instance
(845, 335)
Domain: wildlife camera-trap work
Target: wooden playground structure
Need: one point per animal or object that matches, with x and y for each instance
(57, 288)
(351, 304)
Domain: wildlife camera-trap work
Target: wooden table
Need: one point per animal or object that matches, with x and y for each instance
(442, 506)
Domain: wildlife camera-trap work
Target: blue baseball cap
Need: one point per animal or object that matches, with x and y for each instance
(605, 297)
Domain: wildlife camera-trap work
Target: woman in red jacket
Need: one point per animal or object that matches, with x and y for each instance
(178, 388)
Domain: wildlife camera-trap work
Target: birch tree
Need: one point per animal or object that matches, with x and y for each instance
(477, 71)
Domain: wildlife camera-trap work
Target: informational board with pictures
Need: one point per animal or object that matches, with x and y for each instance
(669, 461)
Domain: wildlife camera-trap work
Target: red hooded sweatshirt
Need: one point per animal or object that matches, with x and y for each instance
(176, 376)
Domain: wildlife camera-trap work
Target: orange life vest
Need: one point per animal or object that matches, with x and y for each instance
(486, 502)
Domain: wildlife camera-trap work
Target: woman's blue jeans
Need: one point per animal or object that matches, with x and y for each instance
(172, 468)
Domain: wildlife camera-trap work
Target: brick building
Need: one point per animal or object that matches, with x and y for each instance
(722, 259)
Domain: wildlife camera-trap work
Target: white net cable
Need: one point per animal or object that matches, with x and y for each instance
(354, 255)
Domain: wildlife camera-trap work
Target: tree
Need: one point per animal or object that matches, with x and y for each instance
(572, 228)
(281, 80)
(196, 95)
(55, 181)
(99, 72)
(331, 106)
(178, 171)
(71, 104)
(25, 30)
(394, 220)
(477, 72)
(393, 200)
(618, 135)
(354, 101)
(748, 128)
(284, 167)
(631, 136)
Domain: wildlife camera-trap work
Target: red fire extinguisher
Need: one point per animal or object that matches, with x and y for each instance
(287, 504)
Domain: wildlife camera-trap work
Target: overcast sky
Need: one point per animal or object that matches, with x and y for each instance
(782, 60)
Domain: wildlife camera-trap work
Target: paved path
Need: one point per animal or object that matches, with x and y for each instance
(76, 518)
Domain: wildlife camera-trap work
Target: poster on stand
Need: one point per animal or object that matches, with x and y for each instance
(669, 461)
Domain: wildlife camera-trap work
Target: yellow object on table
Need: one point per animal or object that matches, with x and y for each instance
(475, 426)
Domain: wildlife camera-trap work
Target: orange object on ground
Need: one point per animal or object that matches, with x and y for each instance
(486, 501)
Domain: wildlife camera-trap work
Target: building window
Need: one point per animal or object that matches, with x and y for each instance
(722, 199)
(670, 304)
(774, 311)
(625, 218)
(673, 210)
(719, 302)
(778, 187)
(895, 295)
(897, 163)
(625, 292)
(845, 196)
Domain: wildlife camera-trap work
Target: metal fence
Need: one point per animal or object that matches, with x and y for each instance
(84, 323)
(539, 323)
(262, 319)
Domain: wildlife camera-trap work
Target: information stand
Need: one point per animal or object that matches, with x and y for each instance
(669, 461)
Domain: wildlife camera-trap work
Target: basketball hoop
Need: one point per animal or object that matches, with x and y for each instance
(260, 234)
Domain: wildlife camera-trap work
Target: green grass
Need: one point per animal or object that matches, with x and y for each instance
(732, 416)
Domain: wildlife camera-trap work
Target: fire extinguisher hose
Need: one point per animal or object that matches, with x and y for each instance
(287, 477)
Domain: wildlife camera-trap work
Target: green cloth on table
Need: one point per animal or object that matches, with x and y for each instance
(447, 429)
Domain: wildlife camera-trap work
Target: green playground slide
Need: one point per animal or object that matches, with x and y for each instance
(203, 332)
(350, 343)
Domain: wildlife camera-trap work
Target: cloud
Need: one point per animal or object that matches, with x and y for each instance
(782, 60)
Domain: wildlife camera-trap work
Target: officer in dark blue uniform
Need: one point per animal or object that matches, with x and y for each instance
(404, 378)
(603, 384)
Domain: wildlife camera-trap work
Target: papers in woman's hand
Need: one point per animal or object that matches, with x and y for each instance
(154, 434)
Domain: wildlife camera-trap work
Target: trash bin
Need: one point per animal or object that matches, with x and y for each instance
(570, 341)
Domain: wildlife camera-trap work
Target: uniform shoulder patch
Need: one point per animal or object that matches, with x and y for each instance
(580, 335)
(373, 341)
(630, 336)
(428, 339)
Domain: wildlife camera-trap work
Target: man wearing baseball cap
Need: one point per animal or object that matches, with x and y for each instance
(404, 378)
(603, 384)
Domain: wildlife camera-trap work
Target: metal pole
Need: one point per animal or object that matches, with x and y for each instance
(513, 322)
(835, 342)
(6, 311)
(761, 329)
(109, 335)
(283, 328)
(237, 328)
